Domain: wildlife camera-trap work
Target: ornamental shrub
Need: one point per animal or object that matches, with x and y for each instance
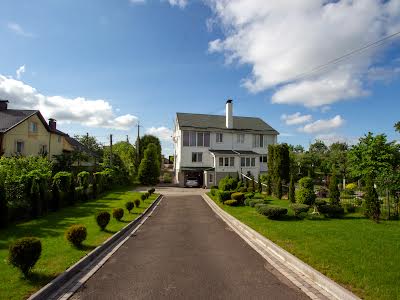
(149, 168)
(227, 184)
(24, 253)
(258, 196)
(249, 195)
(305, 193)
(299, 208)
(231, 202)
(272, 212)
(250, 190)
(118, 213)
(137, 202)
(334, 193)
(223, 196)
(247, 201)
(130, 205)
(254, 202)
(151, 191)
(292, 190)
(278, 188)
(239, 197)
(372, 202)
(76, 234)
(242, 189)
(331, 211)
(350, 208)
(213, 191)
(351, 186)
(143, 197)
(102, 219)
(147, 195)
(83, 179)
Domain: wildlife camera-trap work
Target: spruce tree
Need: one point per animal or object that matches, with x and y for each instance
(279, 189)
(372, 202)
(149, 168)
(292, 197)
(268, 190)
(334, 193)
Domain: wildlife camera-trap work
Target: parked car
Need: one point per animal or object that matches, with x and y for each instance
(192, 182)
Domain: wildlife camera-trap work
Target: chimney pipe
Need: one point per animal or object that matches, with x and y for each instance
(3, 104)
(229, 114)
(53, 124)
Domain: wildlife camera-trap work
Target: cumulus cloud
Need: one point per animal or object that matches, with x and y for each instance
(179, 3)
(280, 40)
(94, 113)
(17, 29)
(163, 133)
(321, 126)
(331, 138)
(20, 71)
(296, 118)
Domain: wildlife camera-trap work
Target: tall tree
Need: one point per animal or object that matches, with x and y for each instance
(145, 141)
(292, 197)
(149, 169)
(372, 202)
(334, 194)
(397, 126)
(338, 159)
(127, 154)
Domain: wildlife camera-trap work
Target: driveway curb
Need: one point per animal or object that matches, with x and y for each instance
(310, 281)
(53, 287)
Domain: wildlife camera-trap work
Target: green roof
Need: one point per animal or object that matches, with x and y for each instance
(203, 121)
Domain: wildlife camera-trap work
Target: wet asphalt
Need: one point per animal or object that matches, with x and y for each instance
(185, 251)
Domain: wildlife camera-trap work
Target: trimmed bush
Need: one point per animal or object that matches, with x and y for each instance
(137, 202)
(247, 201)
(252, 203)
(213, 191)
(130, 205)
(24, 253)
(299, 208)
(320, 202)
(118, 213)
(223, 195)
(292, 191)
(331, 211)
(242, 189)
(305, 193)
(151, 191)
(102, 219)
(272, 212)
(334, 193)
(231, 202)
(350, 208)
(227, 184)
(76, 234)
(143, 197)
(258, 196)
(249, 195)
(147, 195)
(239, 197)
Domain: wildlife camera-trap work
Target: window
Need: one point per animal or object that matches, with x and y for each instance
(206, 139)
(197, 156)
(192, 140)
(253, 161)
(211, 179)
(33, 127)
(243, 161)
(221, 161)
(240, 138)
(248, 161)
(200, 139)
(19, 147)
(196, 139)
(258, 141)
(232, 161)
(226, 161)
(43, 149)
(219, 137)
(263, 158)
(186, 138)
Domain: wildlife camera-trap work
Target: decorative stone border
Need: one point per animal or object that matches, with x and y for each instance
(313, 283)
(58, 288)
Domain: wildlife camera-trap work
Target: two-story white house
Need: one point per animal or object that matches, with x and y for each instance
(210, 147)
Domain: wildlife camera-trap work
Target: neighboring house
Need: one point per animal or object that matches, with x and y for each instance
(25, 133)
(210, 147)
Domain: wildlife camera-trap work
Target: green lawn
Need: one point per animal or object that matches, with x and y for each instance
(57, 253)
(359, 254)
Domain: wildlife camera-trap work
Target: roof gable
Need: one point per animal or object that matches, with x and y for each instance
(12, 117)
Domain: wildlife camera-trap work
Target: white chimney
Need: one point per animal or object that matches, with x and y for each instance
(229, 116)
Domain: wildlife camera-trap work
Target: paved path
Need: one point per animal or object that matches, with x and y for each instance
(184, 251)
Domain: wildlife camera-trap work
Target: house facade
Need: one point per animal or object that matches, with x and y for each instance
(210, 147)
(26, 133)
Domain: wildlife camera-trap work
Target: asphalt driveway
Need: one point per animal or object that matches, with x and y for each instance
(184, 251)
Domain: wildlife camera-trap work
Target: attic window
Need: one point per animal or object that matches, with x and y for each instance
(33, 127)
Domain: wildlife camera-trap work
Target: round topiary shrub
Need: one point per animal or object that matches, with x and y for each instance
(242, 189)
(331, 211)
(118, 213)
(299, 208)
(253, 202)
(130, 205)
(102, 219)
(24, 253)
(305, 192)
(76, 234)
(247, 201)
(147, 195)
(272, 212)
(143, 197)
(239, 197)
(137, 202)
(231, 202)
(223, 196)
(151, 191)
(249, 195)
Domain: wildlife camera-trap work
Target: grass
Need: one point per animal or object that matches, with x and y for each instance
(57, 253)
(355, 252)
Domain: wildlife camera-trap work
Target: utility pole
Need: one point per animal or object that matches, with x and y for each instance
(127, 139)
(87, 136)
(138, 140)
(111, 154)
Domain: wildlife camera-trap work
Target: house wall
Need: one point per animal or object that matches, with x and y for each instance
(32, 140)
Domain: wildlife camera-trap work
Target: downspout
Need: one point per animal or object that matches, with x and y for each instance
(49, 145)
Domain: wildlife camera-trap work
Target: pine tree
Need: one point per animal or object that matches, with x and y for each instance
(292, 197)
(149, 168)
(372, 202)
(334, 193)
(268, 190)
(278, 193)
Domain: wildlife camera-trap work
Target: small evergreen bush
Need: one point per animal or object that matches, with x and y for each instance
(242, 189)
(299, 208)
(334, 193)
(213, 191)
(118, 213)
(305, 193)
(239, 197)
(247, 201)
(331, 211)
(76, 234)
(250, 190)
(223, 195)
(24, 253)
(102, 219)
(151, 191)
(350, 208)
(249, 195)
(272, 212)
(143, 197)
(231, 202)
(137, 202)
(130, 205)
(292, 190)
(253, 202)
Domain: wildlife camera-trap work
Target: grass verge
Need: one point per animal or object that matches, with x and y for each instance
(57, 253)
(355, 252)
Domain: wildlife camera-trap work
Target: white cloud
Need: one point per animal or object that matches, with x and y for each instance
(179, 3)
(137, 1)
(281, 39)
(331, 138)
(20, 71)
(17, 29)
(163, 133)
(321, 126)
(94, 113)
(296, 118)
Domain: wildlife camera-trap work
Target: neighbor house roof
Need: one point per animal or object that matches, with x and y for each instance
(219, 122)
(10, 118)
(78, 146)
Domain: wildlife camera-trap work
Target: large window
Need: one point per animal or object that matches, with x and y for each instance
(263, 158)
(258, 141)
(219, 137)
(226, 161)
(196, 139)
(240, 138)
(197, 157)
(248, 161)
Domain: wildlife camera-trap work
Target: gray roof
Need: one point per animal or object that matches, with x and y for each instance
(78, 146)
(9, 118)
(218, 122)
(234, 152)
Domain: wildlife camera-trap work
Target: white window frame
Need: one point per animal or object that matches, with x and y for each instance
(33, 127)
(198, 157)
(248, 161)
(240, 138)
(219, 137)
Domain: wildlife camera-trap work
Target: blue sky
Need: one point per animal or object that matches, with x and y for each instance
(99, 66)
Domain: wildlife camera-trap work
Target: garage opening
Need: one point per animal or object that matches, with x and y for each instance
(191, 175)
